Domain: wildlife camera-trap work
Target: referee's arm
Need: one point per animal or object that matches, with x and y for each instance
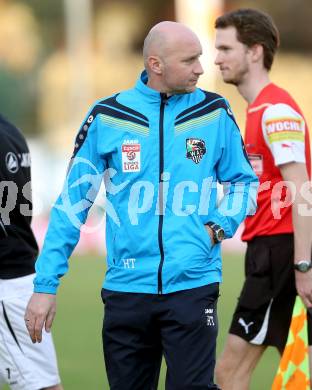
(296, 173)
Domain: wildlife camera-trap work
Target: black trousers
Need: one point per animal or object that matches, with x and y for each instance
(139, 328)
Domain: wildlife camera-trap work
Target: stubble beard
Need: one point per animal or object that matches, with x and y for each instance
(238, 78)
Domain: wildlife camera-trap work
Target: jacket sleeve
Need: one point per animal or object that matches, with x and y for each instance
(234, 172)
(70, 211)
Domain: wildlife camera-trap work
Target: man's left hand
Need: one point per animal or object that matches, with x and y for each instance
(210, 232)
(304, 286)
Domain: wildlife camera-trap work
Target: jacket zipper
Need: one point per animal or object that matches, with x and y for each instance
(164, 99)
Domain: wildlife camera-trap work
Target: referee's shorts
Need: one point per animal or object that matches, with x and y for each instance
(139, 328)
(264, 308)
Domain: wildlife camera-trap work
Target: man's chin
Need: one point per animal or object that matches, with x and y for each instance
(186, 90)
(192, 87)
(229, 80)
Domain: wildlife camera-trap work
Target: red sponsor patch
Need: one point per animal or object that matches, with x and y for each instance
(131, 157)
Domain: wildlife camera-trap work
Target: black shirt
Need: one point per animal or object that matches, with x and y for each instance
(18, 246)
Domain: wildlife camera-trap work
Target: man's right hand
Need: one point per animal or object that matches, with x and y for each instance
(40, 312)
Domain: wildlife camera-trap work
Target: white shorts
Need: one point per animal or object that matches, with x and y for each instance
(23, 365)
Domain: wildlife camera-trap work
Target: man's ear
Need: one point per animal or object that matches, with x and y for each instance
(256, 52)
(155, 64)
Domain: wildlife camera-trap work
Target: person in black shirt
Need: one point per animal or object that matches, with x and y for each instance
(23, 365)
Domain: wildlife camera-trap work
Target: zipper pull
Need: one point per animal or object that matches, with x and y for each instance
(164, 98)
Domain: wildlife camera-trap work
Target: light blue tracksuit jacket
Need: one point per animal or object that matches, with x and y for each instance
(160, 159)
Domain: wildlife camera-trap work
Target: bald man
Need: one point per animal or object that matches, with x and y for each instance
(160, 147)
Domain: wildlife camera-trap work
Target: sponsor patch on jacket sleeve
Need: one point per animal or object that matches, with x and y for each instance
(284, 131)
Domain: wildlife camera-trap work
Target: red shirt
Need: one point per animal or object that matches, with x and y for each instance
(276, 134)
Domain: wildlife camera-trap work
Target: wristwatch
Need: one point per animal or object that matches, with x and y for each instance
(217, 232)
(303, 266)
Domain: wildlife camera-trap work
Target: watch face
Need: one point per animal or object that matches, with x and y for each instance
(218, 232)
(303, 266)
(220, 235)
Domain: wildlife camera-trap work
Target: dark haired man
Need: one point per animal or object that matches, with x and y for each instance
(278, 258)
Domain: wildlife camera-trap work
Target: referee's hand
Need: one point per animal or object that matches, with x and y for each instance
(304, 287)
(40, 312)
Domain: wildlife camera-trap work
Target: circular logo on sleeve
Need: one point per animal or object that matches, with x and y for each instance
(11, 162)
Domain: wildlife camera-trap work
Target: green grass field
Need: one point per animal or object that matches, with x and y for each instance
(77, 326)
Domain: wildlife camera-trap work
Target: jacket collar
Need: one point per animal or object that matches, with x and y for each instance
(151, 93)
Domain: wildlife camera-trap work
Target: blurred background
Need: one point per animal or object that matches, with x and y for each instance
(56, 58)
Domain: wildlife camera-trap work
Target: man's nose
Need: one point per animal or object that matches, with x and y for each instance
(218, 59)
(198, 69)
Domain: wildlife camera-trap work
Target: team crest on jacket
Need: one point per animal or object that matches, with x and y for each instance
(131, 156)
(195, 149)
